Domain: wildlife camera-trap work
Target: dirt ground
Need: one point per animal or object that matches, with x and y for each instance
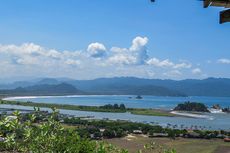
(223, 149)
(136, 142)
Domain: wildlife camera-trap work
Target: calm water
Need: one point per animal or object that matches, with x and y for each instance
(146, 102)
(211, 121)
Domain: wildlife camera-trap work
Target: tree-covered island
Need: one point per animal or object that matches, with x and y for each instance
(192, 106)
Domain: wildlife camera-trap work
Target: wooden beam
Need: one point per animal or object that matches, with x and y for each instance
(225, 16)
(218, 3)
(207, 3)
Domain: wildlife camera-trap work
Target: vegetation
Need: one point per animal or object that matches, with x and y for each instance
(43, 89)
(45, 132)
(107, 108)
(116, 129)
(150, 112)
(181, 145)
(113, 107)
(191, 106)
(19, 134)
(48, 136)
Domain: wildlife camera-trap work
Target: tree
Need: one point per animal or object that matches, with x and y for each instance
(109, 133)
(115, 106)
(48, 136)
(122, 106)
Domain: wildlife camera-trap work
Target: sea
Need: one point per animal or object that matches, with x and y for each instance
(216, 120)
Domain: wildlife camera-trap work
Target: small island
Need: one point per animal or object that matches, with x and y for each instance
(192, 106)
(139, 97)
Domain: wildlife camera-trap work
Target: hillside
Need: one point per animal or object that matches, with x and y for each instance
(44, 89)
(219, 87)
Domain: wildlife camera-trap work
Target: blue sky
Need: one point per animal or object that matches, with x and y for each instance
(87, 39)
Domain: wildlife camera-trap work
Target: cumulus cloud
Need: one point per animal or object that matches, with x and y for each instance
(72, 62)
(95, 61)
(136, 54)
(139, 49)
(182, 65)
(167, 63)
(96, 50)
(158, 63)
(223, 61)
(122, 59)
(139, 43)
(196, 71)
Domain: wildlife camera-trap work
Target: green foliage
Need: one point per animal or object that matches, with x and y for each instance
(107, 108)
(115, 107)
(154, 147)
(48, 136)
(192, 106)
(28, 135)
(109, 133)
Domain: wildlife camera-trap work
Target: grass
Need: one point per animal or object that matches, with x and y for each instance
(150, 112)
(181, 145)
(136, 111)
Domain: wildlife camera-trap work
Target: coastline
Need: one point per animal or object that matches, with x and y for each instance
(138, 115)
(193, 115)
(135, 111)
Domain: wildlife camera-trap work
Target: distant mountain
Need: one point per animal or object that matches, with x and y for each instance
(17, 84)
(208, 87)
(48, 81)
(44, 89)
(219, 87)
(130, 86)
(134, 90)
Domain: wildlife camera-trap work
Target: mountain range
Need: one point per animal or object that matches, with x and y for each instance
(119, 86)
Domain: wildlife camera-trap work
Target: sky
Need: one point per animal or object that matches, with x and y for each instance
(87, 39)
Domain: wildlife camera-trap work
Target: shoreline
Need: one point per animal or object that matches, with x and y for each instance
(134, 111)
(192, 115)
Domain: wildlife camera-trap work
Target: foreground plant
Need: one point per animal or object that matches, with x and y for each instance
(46, 136)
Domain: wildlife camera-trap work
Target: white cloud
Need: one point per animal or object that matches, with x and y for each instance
(139, 43)
(72, 62)
(95, 61)
(196, 71)
(24, 49)
(136, 54)
(27, 60)
(168, 64)
(122, 59)
(158, 63)
(182, 65)
(223, 61)
(96, 50)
